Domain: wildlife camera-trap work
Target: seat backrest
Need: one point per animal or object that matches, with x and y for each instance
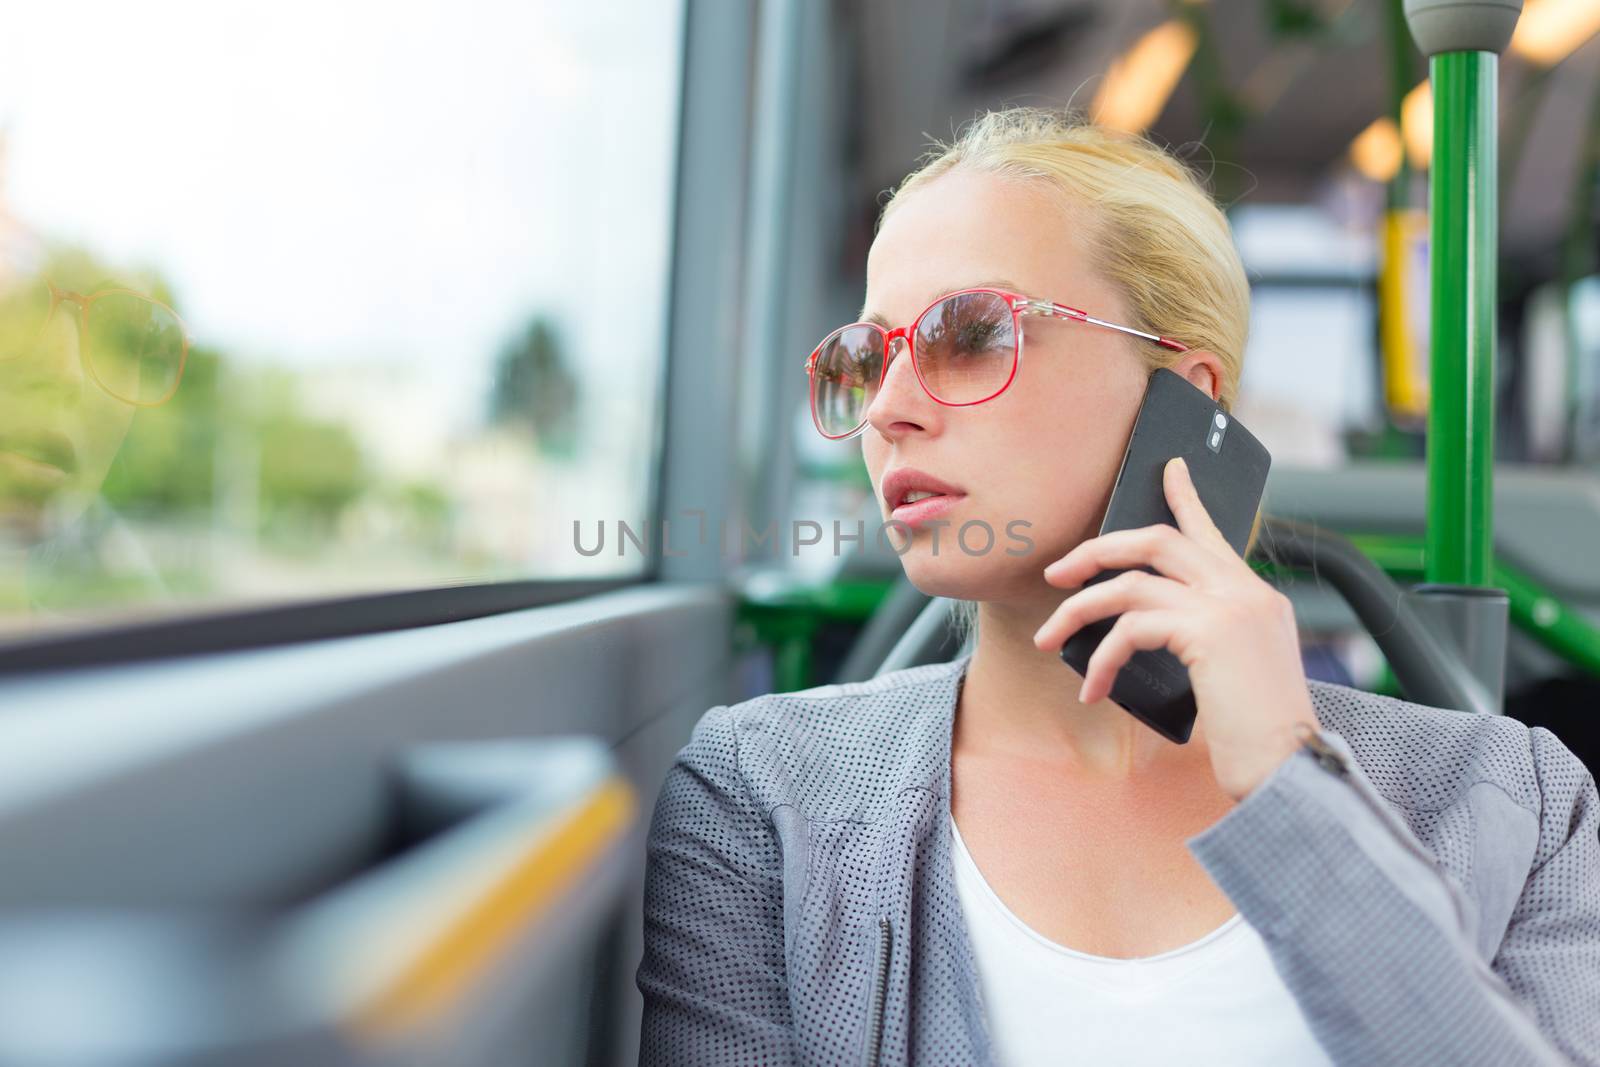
(909, 629)
(930, 638)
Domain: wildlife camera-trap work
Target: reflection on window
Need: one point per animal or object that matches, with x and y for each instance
(320, 299)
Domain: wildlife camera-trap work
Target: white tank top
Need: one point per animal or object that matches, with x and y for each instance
(1215, 1000)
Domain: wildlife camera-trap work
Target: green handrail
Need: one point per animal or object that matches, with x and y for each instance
(1463, 182)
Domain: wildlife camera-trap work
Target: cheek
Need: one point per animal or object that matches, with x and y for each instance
(1056, 468)
(1037, 481)
(872, 456)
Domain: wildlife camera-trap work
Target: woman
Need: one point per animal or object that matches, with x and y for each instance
(978, 862)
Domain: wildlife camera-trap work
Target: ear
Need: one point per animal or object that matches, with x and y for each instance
(1202, 369)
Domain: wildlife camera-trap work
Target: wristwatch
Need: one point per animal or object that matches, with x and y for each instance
(1314, 741)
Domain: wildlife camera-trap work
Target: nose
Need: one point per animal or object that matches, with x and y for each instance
(901, 405)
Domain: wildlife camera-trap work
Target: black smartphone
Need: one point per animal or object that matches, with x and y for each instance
(1229, 469)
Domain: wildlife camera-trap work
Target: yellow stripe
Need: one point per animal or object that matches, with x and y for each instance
(475, 939)
(1405, 379)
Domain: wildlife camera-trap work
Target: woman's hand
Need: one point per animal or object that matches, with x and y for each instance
(1234, 632)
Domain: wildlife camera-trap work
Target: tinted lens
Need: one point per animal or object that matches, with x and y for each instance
(967, 347)
(845, 377)
(136, 346)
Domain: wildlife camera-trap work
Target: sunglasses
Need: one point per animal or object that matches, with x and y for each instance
(134, 346)
(965, 348)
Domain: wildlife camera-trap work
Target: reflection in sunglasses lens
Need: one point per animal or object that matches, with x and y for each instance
(136, 347)
(966, 347)
(848, 368)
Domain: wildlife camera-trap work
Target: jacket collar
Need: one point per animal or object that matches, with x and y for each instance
(949, 696)
(941, 890)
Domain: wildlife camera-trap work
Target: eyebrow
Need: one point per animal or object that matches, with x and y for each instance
(996, 283)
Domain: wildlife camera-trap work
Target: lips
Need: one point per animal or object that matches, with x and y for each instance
(916, 497)
(920, 512)
(47, 447)
(903, 481)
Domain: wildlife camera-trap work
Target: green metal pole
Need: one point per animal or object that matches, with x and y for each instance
(1463, 40)
(1463, 216)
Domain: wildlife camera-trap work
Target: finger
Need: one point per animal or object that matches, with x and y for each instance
(1159, 545)
(1187, 507)
(1135, 631)
(1126, 592)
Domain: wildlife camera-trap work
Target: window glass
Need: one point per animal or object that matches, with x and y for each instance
(307, 299)
(1310, 365)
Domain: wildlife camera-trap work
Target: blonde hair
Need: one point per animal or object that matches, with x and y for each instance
(1158, 237)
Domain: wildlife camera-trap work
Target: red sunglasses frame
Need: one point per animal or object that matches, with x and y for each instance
(1019, 304)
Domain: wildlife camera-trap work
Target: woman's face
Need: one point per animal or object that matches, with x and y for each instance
(59, 431)
(1045, 452)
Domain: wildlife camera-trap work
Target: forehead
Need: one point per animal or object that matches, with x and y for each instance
(969, 230)
(868, 315)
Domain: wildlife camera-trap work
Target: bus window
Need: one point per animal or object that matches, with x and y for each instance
(323, 301)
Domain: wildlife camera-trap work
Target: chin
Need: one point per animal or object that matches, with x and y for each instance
(959, 577)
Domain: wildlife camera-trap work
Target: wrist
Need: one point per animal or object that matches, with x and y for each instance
(1273, 753)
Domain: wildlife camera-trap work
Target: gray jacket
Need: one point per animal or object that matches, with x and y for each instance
(1429, 892)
